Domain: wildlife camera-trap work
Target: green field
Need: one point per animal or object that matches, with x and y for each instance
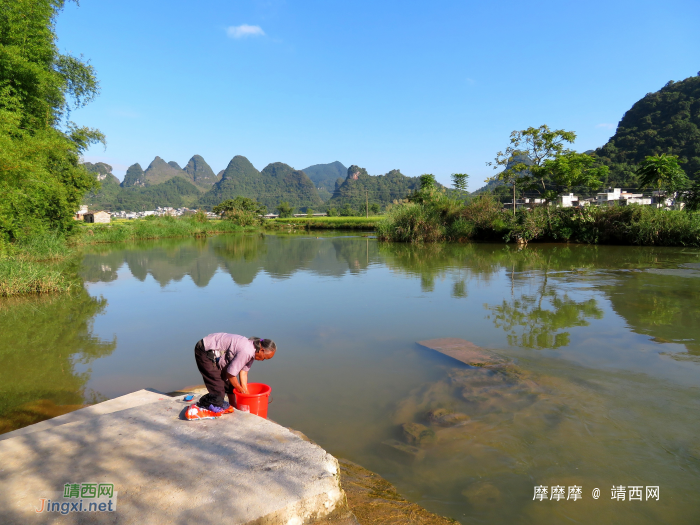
(327, 223)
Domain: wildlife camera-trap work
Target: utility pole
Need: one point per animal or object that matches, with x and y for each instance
(367, 204)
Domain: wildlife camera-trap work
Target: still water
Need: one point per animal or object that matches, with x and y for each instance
(604, 344)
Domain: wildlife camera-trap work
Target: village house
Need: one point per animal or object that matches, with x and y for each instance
(101, 217)
(568, 201)
(81, 213)
(619, 197)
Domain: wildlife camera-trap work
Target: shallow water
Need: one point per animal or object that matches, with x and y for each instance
(602, 390)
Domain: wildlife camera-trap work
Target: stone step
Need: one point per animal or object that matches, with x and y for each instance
(237, 469)
(138, 398)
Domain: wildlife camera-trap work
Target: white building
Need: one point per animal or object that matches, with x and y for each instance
(619, 197)
(567, 201)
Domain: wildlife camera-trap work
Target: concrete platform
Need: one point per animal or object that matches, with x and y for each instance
(237, 469)
(138, 398)
(464, 351)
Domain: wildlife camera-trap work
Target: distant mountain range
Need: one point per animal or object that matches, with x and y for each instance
(166, 184)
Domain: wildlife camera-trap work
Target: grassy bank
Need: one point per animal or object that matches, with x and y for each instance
(484, 220)
(326, 223)
(38, 265)
(151, 228)
(47, 263)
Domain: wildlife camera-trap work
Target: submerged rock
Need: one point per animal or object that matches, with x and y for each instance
(374, 500)
(464, 351)
(444, 418)
(417, 434)
(403, 450)
(482, 496)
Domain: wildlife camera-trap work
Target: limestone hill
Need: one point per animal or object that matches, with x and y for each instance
(277, 182)
(378, 189)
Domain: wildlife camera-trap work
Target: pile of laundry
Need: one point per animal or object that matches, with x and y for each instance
(208, 407)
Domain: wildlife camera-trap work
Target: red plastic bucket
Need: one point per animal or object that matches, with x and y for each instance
(256, 399)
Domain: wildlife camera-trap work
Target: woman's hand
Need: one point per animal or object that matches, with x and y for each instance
(241, 389)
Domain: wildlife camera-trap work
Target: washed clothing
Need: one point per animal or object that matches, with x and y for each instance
(235, 353)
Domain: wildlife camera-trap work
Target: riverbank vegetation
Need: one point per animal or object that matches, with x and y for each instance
(325, 223)
(47, 262)
(484, 219)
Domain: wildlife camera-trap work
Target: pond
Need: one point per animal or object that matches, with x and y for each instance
(601, 391)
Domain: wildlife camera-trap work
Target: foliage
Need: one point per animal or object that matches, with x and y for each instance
(662, 171)
(151, 228)
(277, 182)
(134, 176)
(41, 180)
(284, 209)
(200, 216)
(242, 204)
(484, 219)
(21, 277)
(575, 169)
(324, 175)
(459, 181)
(333, 212)
(176, 192)
(691, 196)
(347, 211)
(359, 186)
(326, 223)
(666, 121)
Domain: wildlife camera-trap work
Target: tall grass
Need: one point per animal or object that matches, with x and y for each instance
(152, 228)
(46, 263)
(483, 219)
(325, 223)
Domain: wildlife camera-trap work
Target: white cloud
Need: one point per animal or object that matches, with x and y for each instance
(244, 31)
(606, 126)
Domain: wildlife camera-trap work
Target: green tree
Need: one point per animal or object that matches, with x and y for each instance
(459, 181)
(575, 169)
(515, 174)
(285, 210)
(309, 212)
(41, 179)
(662, 172)
(240, 204)
(375, 208)
(333, 212)
(347, 211)
(525, 158)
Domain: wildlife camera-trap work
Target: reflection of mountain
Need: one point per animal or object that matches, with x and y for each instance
(243, 257)
(49, 336)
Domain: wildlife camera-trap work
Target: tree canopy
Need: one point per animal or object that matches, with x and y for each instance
(41, 179)
(666, 121)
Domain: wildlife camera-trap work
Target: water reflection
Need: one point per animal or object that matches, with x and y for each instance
(243, 257)
(43, 343)
(655, 290)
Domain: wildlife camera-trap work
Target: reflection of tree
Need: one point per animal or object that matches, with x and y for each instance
(41, 341)
(532, 324)
(664, 307)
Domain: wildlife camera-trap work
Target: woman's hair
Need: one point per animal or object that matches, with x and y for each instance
(266, 345)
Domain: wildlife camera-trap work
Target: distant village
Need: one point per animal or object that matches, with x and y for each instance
(104, 217)
(612, 197)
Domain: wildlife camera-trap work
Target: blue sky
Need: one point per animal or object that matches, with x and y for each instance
(424, 87)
